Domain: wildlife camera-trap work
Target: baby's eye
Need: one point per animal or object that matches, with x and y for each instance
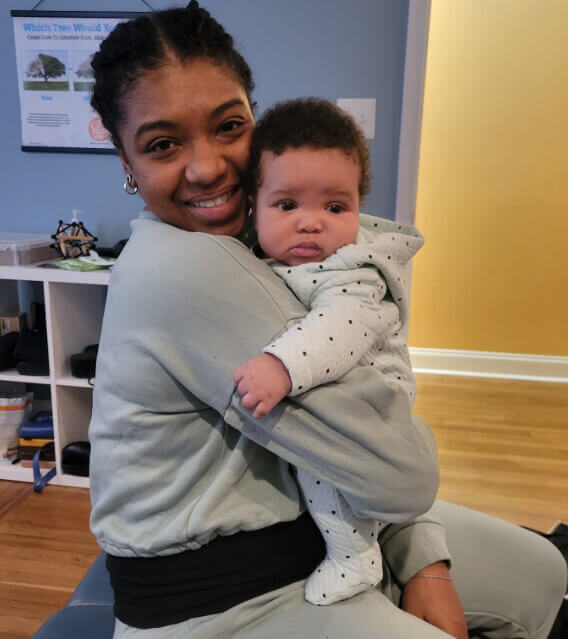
(335, 208)
(287, 205)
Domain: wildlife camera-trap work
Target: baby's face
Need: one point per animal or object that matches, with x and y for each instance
(307, 205)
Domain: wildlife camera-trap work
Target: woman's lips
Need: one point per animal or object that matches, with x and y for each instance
(306, 249)
(217, 208)
(209, 203)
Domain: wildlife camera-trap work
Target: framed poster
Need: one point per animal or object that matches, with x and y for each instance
(55, 79)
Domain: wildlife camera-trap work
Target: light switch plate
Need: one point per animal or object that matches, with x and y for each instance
(363, 111)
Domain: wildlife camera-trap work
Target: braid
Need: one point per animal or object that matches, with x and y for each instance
(145, 44)
(133, 48)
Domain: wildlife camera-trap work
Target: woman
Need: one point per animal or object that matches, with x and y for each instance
(192, 498)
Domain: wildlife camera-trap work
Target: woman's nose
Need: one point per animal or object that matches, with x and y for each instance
(205, 164)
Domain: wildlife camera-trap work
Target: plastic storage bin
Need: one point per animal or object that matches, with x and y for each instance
(15, 407)
(25, 248)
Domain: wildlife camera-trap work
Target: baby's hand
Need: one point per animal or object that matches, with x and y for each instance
(263, 381)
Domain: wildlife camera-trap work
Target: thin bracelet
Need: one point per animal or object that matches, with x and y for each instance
(434, 577)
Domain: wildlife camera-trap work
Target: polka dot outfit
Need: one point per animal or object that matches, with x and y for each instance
(358, 311)
(358, 306)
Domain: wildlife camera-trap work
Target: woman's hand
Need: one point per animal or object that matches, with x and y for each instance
(262, 382)
(435, 600)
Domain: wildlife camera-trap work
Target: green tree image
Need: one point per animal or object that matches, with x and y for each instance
(46, 67)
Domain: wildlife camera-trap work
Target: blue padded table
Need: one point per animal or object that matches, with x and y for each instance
(88, 614)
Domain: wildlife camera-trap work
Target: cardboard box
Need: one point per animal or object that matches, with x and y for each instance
(10, 322)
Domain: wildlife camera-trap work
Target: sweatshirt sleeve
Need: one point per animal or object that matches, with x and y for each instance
(409, 547)
(208, 306)
(348, 314)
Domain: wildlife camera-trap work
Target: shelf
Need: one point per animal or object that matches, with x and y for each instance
(74, 306)
(12, 375)
(37, 273)
(75, 382)
(14, 472)
(72, 480)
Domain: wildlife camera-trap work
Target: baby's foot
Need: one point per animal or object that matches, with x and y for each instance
(338, 578)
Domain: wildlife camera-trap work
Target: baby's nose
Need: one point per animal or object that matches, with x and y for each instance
(310, 222)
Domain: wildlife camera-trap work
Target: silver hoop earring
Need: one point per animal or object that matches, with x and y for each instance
(129, 185)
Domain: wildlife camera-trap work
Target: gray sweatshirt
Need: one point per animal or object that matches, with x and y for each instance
(176, 460)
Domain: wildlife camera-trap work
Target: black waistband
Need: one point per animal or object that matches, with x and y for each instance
(159, 591)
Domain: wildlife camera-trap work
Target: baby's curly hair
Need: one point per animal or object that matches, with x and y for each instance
(150, 42)
(307, 122)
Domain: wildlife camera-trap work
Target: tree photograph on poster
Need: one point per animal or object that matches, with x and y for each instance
(85, 77)
(43, 70)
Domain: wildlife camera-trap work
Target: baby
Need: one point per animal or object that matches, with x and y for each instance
(309, 171)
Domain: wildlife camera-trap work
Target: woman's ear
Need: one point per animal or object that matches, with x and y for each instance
(124, 161)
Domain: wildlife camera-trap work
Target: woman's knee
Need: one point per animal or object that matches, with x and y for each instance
(553, 579)
(544, 591)
(507, 577)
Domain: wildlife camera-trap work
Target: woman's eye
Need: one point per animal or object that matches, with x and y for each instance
(230, 126)
(335, 208)
(287, 205)
(160, 145)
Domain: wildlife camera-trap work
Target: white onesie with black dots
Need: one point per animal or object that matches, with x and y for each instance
(358, 311)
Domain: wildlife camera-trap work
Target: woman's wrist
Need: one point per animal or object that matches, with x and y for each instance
(437, 570)
(435, 599)
(427, 576)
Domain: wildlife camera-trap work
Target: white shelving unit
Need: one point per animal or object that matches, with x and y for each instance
(74, 305)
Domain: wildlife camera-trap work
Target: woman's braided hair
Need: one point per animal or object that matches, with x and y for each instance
(149, 42)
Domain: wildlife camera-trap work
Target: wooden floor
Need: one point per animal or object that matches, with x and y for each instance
(503, 445)
(503, 450)
(45, 549)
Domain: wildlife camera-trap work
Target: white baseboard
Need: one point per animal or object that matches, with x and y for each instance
(539, 368)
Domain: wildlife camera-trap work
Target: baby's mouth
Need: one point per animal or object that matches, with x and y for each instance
(306, 249)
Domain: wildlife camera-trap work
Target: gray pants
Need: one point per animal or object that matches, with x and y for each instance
(510, 582)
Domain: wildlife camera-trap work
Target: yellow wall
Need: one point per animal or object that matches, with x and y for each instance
(493, 180)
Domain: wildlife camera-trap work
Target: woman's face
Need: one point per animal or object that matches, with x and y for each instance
(185, 140)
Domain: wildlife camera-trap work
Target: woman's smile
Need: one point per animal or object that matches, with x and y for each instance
(216, 200)
(216, 207)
